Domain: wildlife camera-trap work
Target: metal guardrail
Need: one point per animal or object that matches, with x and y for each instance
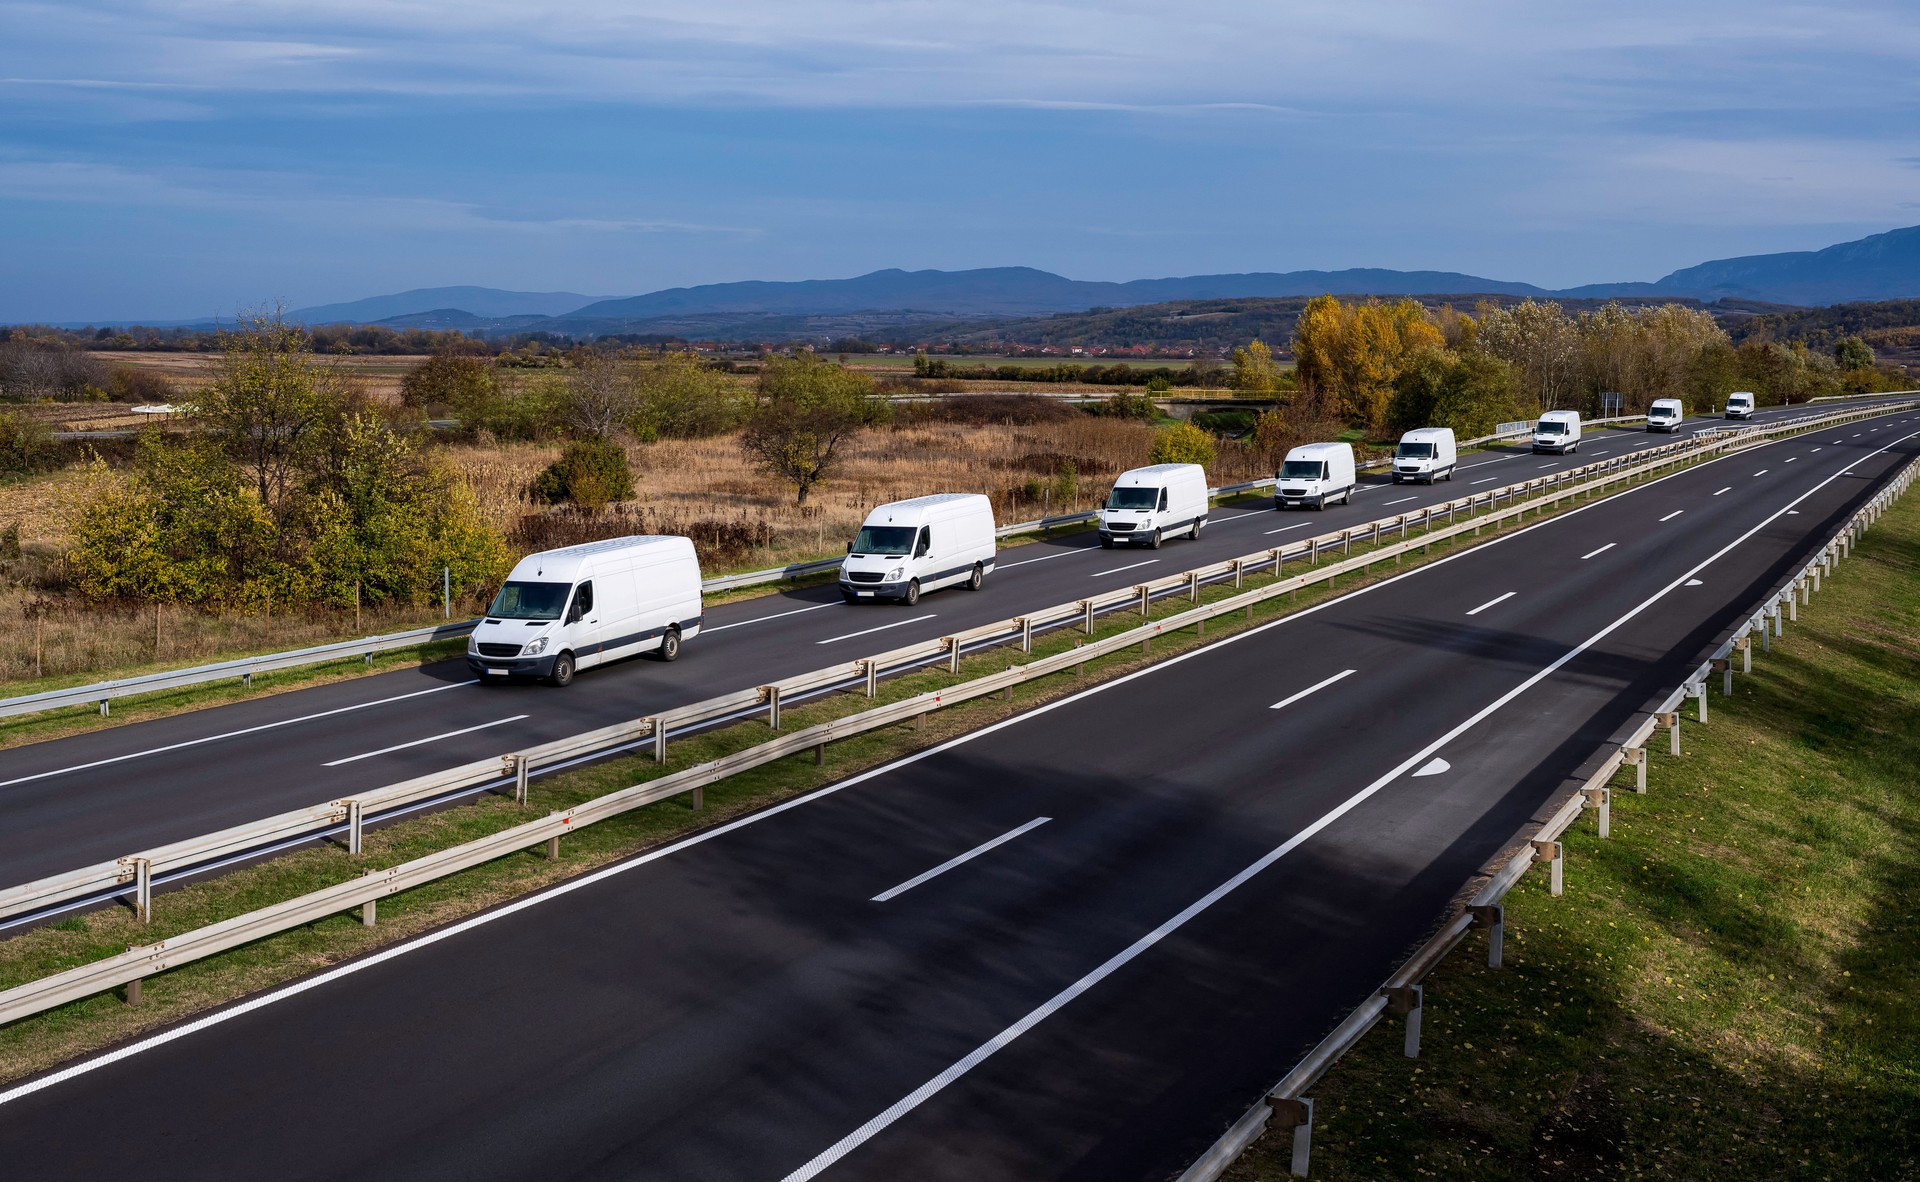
(1287, 1104)
(102, 692)
(137, 872)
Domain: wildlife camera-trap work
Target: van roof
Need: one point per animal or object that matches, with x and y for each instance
(1560, 414)
(930, 500)
(1666, 402)
(1317, 448)
(1741, 394)
(564, 564)
(915, 510)
(1153, 472)
(1428, 433)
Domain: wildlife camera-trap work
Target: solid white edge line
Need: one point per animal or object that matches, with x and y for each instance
(1601, 550)
(881, 628)
(422, 742)
(950, 863)
(1672, 515)
(1118, 569)
(265, 726)
(327, 976)
(1034, 1017)
(1489, 603)
(1313, 689)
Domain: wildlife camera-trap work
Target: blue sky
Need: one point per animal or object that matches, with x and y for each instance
(169, 160)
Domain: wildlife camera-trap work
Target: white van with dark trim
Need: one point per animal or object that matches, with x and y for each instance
(1558, 431)
(1314, 474)
(1425, 454)
(1146, 504)
(1665, 415)
(1740, 404)
(564, 610)
(907, 547)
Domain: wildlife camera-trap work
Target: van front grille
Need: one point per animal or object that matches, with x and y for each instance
(499, 650)
(1293, 492)
(1119, 527)
(864, 576)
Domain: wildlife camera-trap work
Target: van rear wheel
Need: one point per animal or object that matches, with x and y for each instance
(978, 577)
(562, 674)
(913, 593)
(670, 645)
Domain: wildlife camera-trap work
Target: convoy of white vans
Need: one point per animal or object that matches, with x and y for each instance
(1558, 431)
(1149, 504)
(1425, 454)
(924, 544)
(1665, 415)
(564, 610)
(561, 611)
(1315, 474)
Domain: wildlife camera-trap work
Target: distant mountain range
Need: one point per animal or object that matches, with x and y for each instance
(1883, 266)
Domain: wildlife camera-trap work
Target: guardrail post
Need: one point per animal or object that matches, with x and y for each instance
(1766, 632)
(105, 706)
(819, 754)
(1492, 917)
(1744, 646)
(1553, 855)
(1636, 758)
(1296, 1115)
(1236, 573)
(1145, 601)
(658, 733)
(1026, 634)
(1193, 586)
(369, 910)
(1671, 720)
(1793, 600)
(1086, 616)
(1698, 690)
(1279, 554)
(1404, 1001)
(133, 986)
(356, 827)
(142, 889)
(246, 680)
(1346, 542)
(953, 653)
(1079, 667)
(553, 843)
(1601, 798)
(771, 694)
(871, 671)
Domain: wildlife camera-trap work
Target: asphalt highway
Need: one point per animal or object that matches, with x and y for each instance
(95, 797)
(1073, 945)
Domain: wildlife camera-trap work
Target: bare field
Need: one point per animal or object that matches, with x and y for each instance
(377, 376)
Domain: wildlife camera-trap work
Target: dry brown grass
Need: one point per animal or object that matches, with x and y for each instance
(378, 377)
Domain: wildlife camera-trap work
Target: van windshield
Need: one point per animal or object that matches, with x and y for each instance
(1415, 451)
(530, 601)
(1137, 497)
(884, 539)
(1303, 470)
(1550, 427)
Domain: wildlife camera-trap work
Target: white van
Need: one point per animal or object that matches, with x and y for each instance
(1314, 474)
(920, 545)
(1740, 405)
(1558, 431)
(1665, 415)
(1148, 503)
(570, 609)
(1425, 454)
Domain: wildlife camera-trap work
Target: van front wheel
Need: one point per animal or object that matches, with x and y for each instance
(978, 577)
(913, 593)
(1195, 535)
(670, 645)
(562, 674)
(1153, 543)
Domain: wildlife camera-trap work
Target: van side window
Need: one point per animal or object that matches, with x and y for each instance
(1163, 500)
(926, 541)
(582, 601)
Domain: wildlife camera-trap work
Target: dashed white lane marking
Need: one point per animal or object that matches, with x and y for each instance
(422, 742)
(1601, 550)
(1672, 515)
(950, 863)
(881, 628)
(1489, 603)
(1312, 689)
(1116, 570)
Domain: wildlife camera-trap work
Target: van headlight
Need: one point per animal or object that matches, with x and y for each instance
(535, 648)
(893, 576)
(473, 645)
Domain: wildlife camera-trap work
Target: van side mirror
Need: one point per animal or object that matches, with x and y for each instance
(849, 547)
(574, 612)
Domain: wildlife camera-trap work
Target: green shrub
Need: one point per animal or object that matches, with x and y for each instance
(590, 473)
(1182, 443)
(27, 445)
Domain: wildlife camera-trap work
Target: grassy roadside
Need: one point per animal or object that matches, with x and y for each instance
(47, 1039)
(1726, 988)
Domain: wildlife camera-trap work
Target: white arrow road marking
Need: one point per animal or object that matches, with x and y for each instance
(418, 742)
(1695, 583)
(950, 863)
(1489, 603)
(1434, 767)
(1313, 689)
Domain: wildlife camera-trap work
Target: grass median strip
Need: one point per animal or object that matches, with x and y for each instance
(1726, 988)
(39, 1042)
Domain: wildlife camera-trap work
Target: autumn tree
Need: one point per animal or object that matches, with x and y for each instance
(1255, 374)
(268, 395)
(1541, 342)
(603, 393)
(1182, 443)
(1352, 353)
(682, 397)
(805, 413)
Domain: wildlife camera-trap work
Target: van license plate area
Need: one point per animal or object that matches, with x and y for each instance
(497, 672)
